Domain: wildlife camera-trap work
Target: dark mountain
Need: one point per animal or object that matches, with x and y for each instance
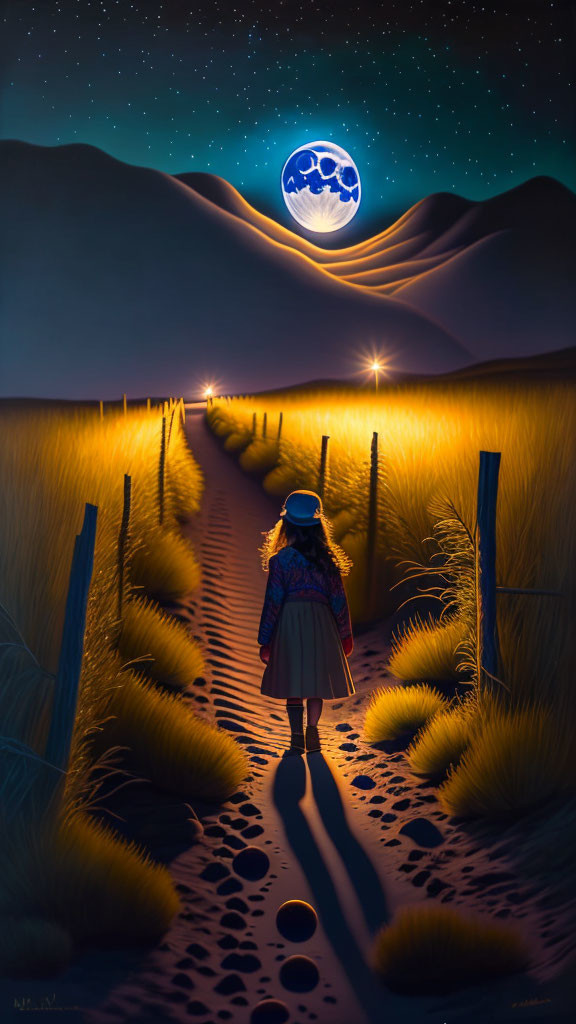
(121, 278)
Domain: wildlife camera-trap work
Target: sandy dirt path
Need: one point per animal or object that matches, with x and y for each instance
(348, 829)
(223, 955)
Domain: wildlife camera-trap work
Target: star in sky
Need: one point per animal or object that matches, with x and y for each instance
(450, 95)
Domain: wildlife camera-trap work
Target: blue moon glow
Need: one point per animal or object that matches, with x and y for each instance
(321, 186)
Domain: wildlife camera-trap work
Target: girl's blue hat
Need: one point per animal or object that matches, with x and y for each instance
(303, 508)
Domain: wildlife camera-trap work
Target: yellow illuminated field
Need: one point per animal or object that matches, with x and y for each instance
(430, 434)
(56, 460)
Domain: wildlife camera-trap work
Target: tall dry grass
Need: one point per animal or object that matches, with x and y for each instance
(51, 463)
(430, 435)
(398, 711)
(436, 949)
(428, 649)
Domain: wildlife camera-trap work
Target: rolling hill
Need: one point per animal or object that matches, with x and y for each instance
(116, 277)
(498, 275)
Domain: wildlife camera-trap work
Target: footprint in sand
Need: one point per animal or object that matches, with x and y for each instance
(230, 985)
(363, 782)
(229, 886)
(233, 920)
(252, 831)
(251, 863)
(243, 962)
(421, 831)
(214, 872)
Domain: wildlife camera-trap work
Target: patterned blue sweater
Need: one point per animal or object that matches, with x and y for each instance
(290, 573)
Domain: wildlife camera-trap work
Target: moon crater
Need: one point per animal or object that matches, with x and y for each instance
(321, 186)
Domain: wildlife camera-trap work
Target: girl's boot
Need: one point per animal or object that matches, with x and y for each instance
(312, 738)
(296, 719)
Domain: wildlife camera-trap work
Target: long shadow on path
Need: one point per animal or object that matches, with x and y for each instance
(288, 791)
(363, 875)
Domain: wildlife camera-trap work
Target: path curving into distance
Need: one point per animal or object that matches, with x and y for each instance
(348, 830)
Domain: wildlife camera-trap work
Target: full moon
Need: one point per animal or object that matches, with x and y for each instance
(321, 186)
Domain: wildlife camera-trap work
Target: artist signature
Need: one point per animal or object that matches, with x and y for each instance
(522, 1004)
(27, 1005)
(530, 1002)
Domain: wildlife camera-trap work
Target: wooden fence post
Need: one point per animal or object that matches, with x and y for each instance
(487, 658)
(372, 520)
(264, 424)
(161, 469)
(253, 424)
(122, 541)
(280, 418)
(323, 465)
(170, 427)
(101, 409)
(147, 405)
(125, 405)
(72, 648)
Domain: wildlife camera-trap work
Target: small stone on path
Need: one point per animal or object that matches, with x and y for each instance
(270, 1011)
(296, 920)
(299, 973)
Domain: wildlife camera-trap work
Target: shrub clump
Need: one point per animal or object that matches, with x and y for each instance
(165, 566)
(77, 873)
(220, 422)
(428, 649)
(172, 746)
(514, 762)
(400, 711)
(281, 481)
(441, 743)
(434, 949)
(175, 658)
(238, 440)
(260, 456)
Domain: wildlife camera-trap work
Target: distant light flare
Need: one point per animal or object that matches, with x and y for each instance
(376, 363)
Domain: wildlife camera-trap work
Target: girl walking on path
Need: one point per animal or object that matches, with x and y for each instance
(305, 630)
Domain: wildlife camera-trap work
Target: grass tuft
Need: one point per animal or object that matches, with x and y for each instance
(428, 649)
(165, 566)
(175, 658)
(430, 949)
(237, 441)
(221, 423)
(514, 762)
(171, 745)
(441, 743)
(281, 481)
(94, 885)
(400, 711)
(260, 456)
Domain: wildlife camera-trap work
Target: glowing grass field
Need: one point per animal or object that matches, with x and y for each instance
(65, 877)
(518, 751)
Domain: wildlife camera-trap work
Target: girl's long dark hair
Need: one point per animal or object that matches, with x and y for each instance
(315, 542)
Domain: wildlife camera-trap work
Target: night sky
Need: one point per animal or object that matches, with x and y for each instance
(426, 96)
